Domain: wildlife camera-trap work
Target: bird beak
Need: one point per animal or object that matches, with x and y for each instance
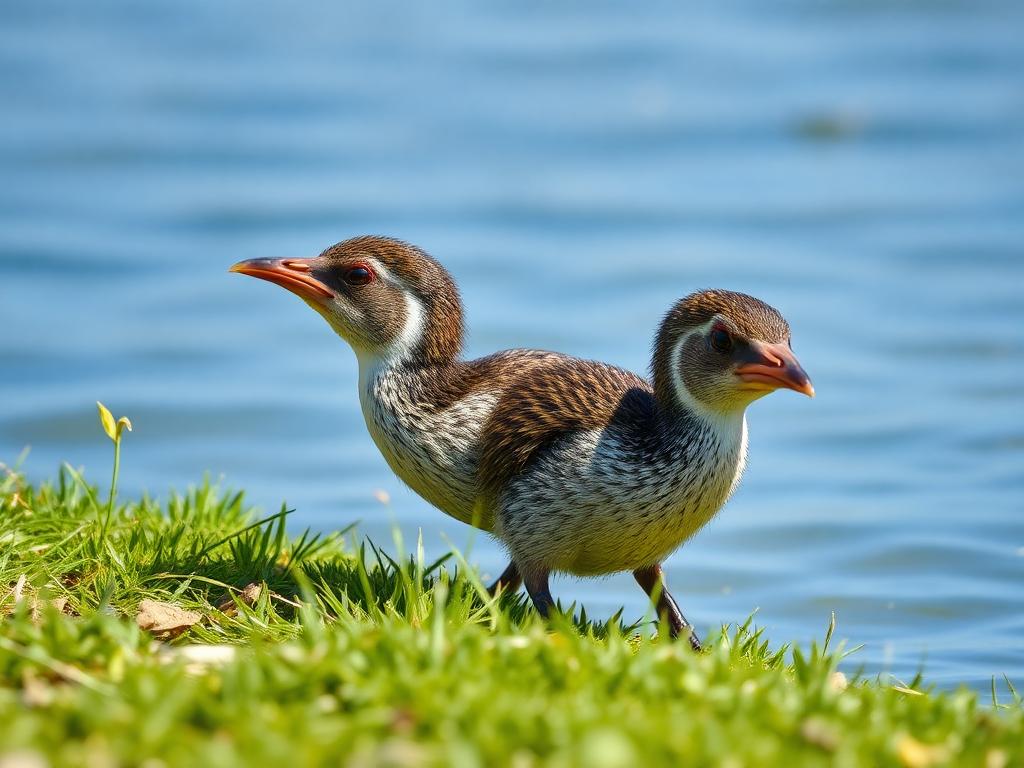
(293, 274)
(767, 367)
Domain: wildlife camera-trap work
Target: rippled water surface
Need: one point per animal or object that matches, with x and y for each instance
(858, 165)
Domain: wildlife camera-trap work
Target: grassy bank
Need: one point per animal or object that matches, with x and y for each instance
(261, 648)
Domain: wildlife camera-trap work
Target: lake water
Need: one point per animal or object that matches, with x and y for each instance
(860, 165)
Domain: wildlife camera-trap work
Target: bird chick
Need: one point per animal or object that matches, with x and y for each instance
(575, 466)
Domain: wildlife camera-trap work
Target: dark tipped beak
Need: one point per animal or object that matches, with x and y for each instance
(767, 367)
(294, 274)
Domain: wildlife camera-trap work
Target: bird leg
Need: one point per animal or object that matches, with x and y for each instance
(537, 586)
(509, 581)
(652, 580)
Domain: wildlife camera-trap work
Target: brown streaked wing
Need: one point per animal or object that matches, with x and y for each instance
(446, 385)
(543, 401)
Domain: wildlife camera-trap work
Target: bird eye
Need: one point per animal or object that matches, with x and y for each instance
(359, 275)
(721, 341)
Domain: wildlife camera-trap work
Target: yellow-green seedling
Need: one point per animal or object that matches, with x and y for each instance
(114, 430)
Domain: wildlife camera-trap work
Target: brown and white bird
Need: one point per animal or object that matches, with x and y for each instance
(575, 466)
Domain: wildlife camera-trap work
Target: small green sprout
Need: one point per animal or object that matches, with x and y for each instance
(114, 430)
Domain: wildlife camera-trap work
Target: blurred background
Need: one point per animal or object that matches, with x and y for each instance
(860, 165)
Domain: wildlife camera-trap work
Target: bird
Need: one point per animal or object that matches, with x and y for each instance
(574, 466)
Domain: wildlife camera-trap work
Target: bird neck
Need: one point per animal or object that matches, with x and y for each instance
(397, 364)
(686, 417)
(685, 421)
(669, 387)
(695, 447)
(431, 337)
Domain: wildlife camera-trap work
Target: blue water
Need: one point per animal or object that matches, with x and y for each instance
(860, 165)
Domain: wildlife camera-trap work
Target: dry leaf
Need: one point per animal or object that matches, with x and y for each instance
(251, 593)
(248, 596)
(60, 604)
(165, 618)
(19, 588)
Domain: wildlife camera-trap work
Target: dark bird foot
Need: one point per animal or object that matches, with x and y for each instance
(691, 635)
(540, 593)
(509, 581)
(653, 582)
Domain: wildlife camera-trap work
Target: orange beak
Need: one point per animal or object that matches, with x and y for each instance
(767, 367)
(294, 274)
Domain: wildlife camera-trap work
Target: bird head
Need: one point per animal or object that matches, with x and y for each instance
(719, 351)
(386, 298)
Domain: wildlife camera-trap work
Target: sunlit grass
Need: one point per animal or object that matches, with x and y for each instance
(320, 654)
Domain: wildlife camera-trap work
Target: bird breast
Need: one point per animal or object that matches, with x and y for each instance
(595, 504)
(434, 451)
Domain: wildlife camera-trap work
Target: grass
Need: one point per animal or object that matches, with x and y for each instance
(301, 651)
